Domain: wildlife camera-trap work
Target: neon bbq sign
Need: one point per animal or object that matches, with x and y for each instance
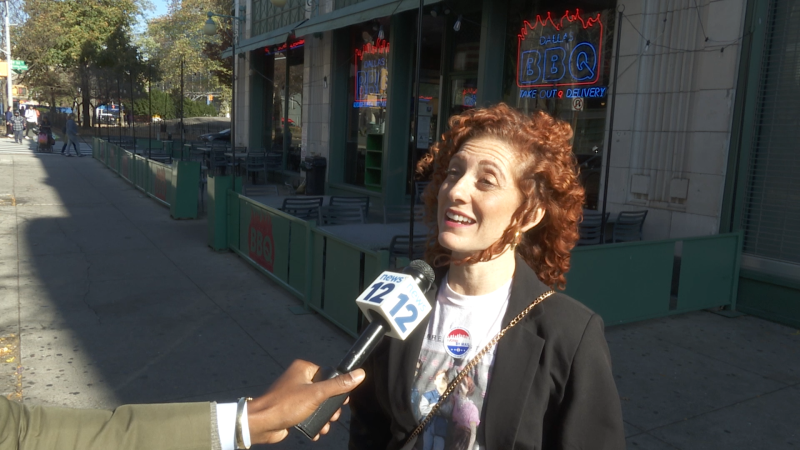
(372, 74)
(555, 53)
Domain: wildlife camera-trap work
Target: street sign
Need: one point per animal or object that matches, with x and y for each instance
(577, 104)
(18, 65)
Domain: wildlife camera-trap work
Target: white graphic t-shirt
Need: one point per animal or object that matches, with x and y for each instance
(460, 326)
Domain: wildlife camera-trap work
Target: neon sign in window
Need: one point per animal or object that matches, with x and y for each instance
(560, 52)
(469, 97)
(280, 48)
(372, 74)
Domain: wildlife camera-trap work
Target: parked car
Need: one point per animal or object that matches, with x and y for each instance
(224, 135)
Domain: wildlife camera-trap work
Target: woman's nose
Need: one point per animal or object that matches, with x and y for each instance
(458, 191)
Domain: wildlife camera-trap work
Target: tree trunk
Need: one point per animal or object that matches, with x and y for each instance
(85, 98)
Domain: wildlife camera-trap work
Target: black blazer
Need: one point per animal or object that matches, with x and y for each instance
(551, 384)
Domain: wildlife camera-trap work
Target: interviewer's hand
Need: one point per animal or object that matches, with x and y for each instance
(292, 398)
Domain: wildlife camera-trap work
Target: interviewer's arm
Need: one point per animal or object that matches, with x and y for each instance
(181, 426)
(175, 426)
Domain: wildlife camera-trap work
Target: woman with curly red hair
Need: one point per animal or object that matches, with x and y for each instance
(503, 207)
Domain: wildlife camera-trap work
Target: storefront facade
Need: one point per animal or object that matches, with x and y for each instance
(353, 97)
(702, 132)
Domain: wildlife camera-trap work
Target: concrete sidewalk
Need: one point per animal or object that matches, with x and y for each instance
(105, 300)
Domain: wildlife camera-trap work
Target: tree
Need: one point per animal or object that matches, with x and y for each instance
(178, 37)
(76, 40)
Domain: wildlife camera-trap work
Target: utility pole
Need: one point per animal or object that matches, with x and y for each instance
(8, 57)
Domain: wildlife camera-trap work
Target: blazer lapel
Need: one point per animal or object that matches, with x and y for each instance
(403, 357)
(515, 364)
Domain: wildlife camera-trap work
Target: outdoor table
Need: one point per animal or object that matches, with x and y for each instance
(373, 236)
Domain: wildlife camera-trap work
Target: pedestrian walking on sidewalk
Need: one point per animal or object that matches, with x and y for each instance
(9, 119)
(33, 121)
(71, 131)
(18, 125)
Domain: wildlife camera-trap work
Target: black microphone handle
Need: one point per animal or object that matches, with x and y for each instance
(358, 353)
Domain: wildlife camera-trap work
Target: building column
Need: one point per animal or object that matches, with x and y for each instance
(398, 116)
(339, 107)
(492, 52)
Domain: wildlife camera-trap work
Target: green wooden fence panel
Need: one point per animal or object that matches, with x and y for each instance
(623, 282)
(246, 228)
(297, 256)
(125, 169)
(232, 219)
(316, 278)
(707, 277)
(280, 233)
(113, 160)
(342, 283)
(374, 264)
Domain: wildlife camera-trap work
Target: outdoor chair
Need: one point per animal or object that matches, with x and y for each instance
(399, 213)
(398, 248)
(273, 161)
(362, 202)
(590, 228)
(341, 214)
(628, 226)
(420, 188)
(255, 163)
(218, 162)
(302, 207)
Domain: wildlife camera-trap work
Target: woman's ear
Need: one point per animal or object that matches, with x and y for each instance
(536, 217)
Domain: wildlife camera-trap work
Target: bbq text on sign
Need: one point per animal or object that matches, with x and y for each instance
(563, 51)
(260, 244)
(372, 74)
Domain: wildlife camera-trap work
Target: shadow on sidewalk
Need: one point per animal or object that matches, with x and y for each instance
(117, 303)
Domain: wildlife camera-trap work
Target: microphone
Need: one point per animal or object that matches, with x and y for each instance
(394, 304)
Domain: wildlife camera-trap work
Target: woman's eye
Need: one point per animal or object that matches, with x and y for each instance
(487, 181)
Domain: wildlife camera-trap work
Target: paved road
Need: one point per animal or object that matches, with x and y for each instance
(105, 300)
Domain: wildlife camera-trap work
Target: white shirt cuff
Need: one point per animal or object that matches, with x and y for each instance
(226, 425)
(245, 427)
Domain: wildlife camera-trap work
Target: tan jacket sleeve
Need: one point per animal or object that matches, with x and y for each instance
(177, 426)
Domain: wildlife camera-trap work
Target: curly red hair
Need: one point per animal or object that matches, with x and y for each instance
(547, 177)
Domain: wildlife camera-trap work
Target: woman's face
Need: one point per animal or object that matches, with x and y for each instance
(478, 196)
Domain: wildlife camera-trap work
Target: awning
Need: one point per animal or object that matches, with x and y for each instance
(360, 12)
(277, 36)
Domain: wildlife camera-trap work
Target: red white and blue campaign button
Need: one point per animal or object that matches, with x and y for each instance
(457, 342)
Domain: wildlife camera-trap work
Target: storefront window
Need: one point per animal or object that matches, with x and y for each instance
(290, 56)
(369, 83)
(464, 54)
(561, 65)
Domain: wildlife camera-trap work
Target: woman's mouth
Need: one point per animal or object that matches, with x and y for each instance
(457, 220)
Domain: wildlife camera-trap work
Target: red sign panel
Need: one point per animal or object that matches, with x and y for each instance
(260, 244)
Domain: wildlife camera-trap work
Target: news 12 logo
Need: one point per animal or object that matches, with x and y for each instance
(396, 298)
(559, 52)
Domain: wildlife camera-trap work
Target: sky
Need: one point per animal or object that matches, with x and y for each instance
(159, 9)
